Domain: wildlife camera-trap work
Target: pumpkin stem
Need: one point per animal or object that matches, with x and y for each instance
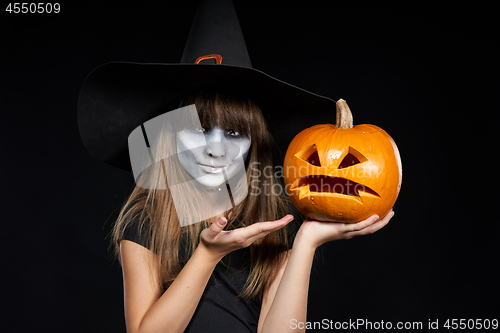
(344, 115)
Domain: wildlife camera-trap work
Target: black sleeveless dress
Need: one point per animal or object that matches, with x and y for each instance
(219, 310)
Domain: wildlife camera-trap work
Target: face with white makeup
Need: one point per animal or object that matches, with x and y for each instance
(212, 155)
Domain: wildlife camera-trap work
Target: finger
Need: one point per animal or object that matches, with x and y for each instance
(362, 224)
(374, 227)
(257, 237)
(217, 226)
(263, 234)
(266, 227)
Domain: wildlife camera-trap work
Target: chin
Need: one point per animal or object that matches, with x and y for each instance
(211, 181)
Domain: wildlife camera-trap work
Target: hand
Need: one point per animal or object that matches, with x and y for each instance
(221, 242)
(317, 233)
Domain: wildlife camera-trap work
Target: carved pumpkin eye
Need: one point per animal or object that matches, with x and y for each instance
(314, 159)
(348, 161)
(353, 157)
(310, 155)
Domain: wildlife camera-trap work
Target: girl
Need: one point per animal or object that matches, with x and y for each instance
(246, 269)
(206, 241)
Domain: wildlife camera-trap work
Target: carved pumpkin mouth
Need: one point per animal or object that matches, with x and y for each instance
(324, 184)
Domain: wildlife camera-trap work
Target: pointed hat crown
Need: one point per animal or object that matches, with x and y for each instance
(216, 30)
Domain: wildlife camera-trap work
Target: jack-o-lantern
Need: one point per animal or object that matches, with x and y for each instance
(343, 173)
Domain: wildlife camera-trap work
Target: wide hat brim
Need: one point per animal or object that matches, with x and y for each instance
(118, 97)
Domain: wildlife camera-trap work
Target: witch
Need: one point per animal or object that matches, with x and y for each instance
(206, 242)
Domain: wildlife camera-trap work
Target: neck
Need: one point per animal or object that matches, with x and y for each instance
(222, 187)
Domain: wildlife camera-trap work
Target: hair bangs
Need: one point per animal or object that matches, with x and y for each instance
(229, 113)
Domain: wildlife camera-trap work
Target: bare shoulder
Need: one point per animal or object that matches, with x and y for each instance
(129, 250)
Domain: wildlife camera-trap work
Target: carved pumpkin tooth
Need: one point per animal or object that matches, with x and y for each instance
(304, 191)
(295, 184)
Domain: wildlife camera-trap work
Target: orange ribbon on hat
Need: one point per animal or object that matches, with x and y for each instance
(217, 57)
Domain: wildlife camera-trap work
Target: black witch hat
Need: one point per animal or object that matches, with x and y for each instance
(118, 97)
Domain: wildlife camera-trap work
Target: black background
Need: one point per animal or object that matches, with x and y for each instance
(426, 75)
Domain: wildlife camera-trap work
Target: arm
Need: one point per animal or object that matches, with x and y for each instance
(148, 311)
(145, 310)
(270, 293)
(290, 300)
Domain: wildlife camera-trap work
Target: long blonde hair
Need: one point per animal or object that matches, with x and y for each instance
(158, 220)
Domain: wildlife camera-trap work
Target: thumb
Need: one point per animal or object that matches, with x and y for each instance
(218, 225)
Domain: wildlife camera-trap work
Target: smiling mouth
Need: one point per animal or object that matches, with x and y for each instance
(319, 184)
(214, 166)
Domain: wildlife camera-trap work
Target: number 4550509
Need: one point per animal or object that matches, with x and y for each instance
(33, 8)
(471, 324)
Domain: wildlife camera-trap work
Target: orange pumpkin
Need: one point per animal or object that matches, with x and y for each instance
(343, 173)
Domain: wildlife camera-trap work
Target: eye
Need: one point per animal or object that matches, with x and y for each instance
(314, 159)
(233, 133)
(348, 161)
(310, 155)
(353, 157)
(201, 129)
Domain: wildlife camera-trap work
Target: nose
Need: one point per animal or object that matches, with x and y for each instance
(215, 143)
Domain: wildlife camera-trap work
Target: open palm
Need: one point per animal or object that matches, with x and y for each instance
(319, 233)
